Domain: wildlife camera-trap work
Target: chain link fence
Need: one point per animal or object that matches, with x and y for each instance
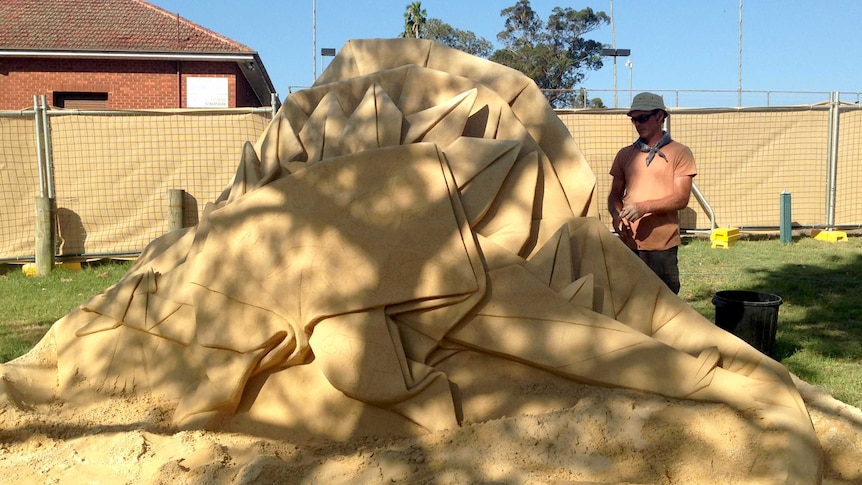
(697, 98)
(111, 172)
(746, 157)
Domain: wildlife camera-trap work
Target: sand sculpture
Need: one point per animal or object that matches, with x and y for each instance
(415, 209)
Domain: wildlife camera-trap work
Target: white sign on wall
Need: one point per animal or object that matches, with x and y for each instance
(207, 92)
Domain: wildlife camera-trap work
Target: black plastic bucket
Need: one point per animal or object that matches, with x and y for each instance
(750, 315)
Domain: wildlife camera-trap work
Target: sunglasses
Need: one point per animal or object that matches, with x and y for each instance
(643, 118)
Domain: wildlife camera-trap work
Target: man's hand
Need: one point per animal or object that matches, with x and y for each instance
(621, 224)
(630, 213)
(624, 230)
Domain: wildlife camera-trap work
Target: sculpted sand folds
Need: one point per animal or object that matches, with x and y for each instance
(416, 206)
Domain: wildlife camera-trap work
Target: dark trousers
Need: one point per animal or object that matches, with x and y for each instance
(663, 263)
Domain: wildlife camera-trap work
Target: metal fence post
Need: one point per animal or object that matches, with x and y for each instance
(48, 158)
(44, 202)
(832, 159)
(37, 119)
(786, 222)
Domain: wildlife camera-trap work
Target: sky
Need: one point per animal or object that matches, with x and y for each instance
(792, 51)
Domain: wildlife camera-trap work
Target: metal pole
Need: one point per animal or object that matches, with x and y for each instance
(739, 69)
(786, 221)
(314, 36)
(704, 204)
(49, 160)
(614, 46)
(39, 155)
(43, 203)
(630, 66)
(832, 162)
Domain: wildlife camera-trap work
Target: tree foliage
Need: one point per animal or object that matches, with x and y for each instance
(464, 40)
(415, 19)
(583, 101)
(555, 53)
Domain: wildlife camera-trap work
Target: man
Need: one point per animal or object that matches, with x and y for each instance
(651, 181)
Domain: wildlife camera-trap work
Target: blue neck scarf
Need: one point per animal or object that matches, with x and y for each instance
(642, 146)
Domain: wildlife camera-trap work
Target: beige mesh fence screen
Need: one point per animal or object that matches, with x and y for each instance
(745, 159)
(600, 134)
(113, 170)
(112, 173)
(848, 187)
(19, 184)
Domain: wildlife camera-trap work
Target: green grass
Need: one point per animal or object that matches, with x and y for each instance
(819, 334)
(819, 324)
(30, 304)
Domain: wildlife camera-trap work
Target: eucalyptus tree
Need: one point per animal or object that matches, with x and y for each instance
(464, 40)
(555, 54)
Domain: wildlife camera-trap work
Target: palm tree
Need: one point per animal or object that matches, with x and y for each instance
(414, 21)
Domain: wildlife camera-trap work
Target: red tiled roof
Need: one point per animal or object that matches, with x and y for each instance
(105, 26)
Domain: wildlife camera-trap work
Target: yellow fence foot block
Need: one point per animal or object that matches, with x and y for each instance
(831, 236)
(29, 269)
(724, 237)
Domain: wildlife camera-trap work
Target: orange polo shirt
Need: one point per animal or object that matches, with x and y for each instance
(660, 231)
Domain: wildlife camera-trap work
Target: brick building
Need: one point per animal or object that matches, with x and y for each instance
(121, 54)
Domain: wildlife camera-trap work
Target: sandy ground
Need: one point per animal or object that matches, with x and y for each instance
(599, 435)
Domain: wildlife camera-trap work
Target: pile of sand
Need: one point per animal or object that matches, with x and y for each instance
(604, 436)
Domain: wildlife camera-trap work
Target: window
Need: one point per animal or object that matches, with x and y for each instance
(72, 100)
